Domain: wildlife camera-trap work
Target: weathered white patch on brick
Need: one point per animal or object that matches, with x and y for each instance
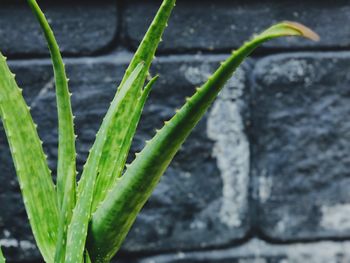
(226, 128)
(293, 70)
(253, 260)
(196, 75)
(265, 185)
(336, 217)
(198, 224)
(26, 245)
(7, 233)
(318, 252)
(9, 242)
(258, 251)
(50, 85)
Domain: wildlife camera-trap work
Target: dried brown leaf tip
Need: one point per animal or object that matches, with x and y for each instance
(304, 31)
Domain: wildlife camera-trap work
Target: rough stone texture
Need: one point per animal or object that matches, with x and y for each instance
(223, 25)
(202, 200)
(257, 251)
(300, 135)
(80, 27)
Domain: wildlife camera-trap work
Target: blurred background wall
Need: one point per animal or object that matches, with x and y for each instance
(265, 177)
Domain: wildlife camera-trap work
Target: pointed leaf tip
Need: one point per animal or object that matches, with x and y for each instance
(304, 30)
(151, 82)
(289, 28)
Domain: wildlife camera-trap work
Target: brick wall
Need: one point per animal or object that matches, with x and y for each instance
(265, 175)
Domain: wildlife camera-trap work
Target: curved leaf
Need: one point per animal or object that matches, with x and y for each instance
(121, 128)
(112, 221)
(77, 230)
(34, 176)
(66, 167)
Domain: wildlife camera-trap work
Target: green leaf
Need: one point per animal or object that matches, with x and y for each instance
(77, 230)
(112, 221)
(30, 161)
(124, 145)
(122, 128)
(119, 137)
(147, 49)
(66, 168)
(87, 257)
(2, 259)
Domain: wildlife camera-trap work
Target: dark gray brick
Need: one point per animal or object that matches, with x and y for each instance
(301, 146)
(223, 25)
(80, 27)
(202, 200)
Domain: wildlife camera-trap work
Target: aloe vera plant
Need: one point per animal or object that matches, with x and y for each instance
(87, 221)
(2, 259)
